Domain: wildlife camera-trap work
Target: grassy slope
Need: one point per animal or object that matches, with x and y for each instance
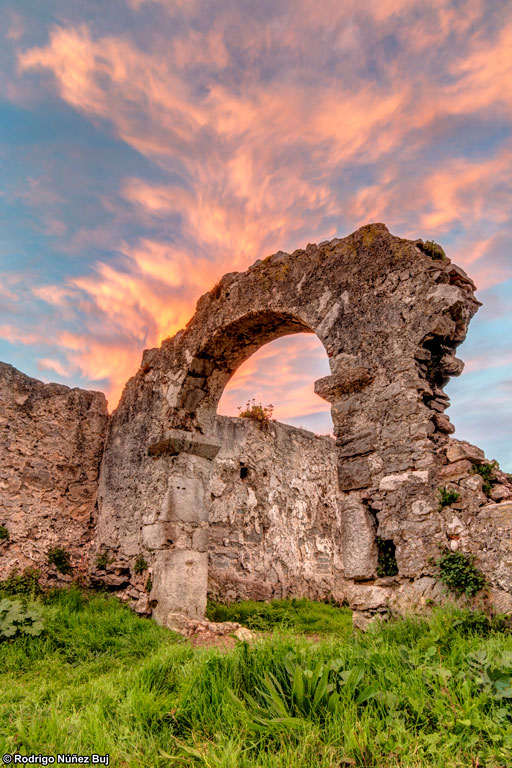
(102, 680)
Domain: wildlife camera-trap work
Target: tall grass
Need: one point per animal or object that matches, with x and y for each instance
(100, 679)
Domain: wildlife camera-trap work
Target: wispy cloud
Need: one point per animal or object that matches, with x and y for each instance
(259, 127)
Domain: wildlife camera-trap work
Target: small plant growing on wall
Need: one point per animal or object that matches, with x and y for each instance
(61, 559)
(446, 497)
(103, 560)
(486, 471)
(458, 572)
(4, 533)
(140, 564)
(434, 250)
(149, 584)
(256, 411)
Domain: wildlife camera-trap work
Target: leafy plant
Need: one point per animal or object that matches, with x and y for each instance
(102, 560)
(434, 250)
(387, 565)
(495, 680)
(256, 411)
(15, 619)
(25, 584)
(140, 565)
(303, 693)
(446, 497)
(4, 533)
(61, 559)
(149, 584)
(486, 471)
(458, 572)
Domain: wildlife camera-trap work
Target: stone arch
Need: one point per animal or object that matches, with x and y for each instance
(224, 352)
(389, 313)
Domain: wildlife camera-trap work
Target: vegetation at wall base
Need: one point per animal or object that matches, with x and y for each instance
(458, 572)
(412, 693)
(60, 558)
(296, 614)
(24, 585)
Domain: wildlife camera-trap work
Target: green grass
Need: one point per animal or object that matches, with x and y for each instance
(411, 693)
(300, 615)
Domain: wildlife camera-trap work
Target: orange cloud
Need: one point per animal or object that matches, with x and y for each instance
(263, 160)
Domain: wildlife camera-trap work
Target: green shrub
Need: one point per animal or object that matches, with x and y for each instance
(256, 411)
(387, 565)
(4, 533)
(102, 560)
(434, 250)
(459, 573)
(486, 471)
(61, 559)
(25, 585)
(446, 497)
(15, 620)
(149, 584)
(140, 564)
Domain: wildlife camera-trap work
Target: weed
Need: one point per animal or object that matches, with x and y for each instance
(434, 250)
(15, 619)
(25, 585)
(446, 497)
(256, 411)
(140, 564)
(486, 471)
(103, 560)
(458, 572)
(387, 565)
(4, 533)
(61, 559)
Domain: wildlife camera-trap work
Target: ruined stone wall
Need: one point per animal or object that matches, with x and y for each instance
(275, 516)
(390, 313)
(51, 442)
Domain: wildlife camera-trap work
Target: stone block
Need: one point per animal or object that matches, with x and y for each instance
(394, 482)
(459, 449)
(343, 382)
(354, 474)
(179, 584)
(456, 471)
(185, 500)
(159, 535)
(358, 445)
(358, 536)
(179, 441)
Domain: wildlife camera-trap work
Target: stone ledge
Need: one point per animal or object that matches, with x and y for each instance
(179, 441)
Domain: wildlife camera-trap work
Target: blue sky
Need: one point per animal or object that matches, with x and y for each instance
(147, 147)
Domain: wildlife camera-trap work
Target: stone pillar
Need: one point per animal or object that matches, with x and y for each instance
(179, 536)
(355, 443)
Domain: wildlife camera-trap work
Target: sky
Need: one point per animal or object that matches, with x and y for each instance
(149, 146)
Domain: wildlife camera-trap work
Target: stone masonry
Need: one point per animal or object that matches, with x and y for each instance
(208, 503)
